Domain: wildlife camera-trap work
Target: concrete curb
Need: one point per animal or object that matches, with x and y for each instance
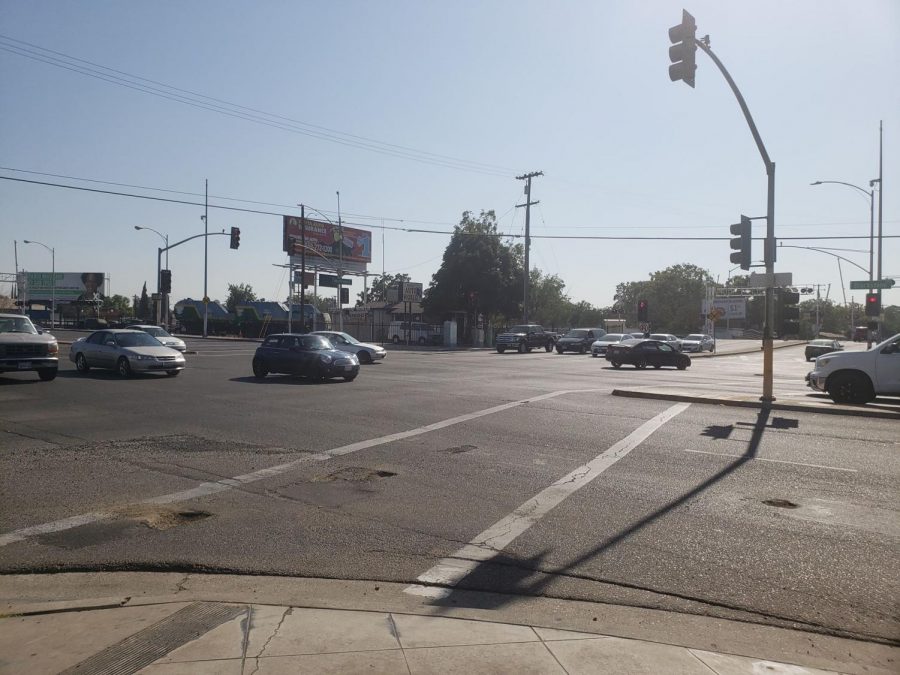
(747, 403)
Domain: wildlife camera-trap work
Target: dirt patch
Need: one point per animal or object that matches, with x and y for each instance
(161, 517)
(355, 474)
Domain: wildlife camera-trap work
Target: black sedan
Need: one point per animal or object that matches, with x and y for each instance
(816, 348)
(578, 340)
(643, 353)
(310, 355)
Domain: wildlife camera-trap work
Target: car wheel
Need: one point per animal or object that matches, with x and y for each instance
(47, 374)
(396, 339)
(123, 367)
(850, 388)
(548, 347)
(616, 364)
(560, 350)
(594, 354)
(581, 349)
(364, 356)
(500, 350)
(172, 373)
(640, 364)
(259, 370)
(682, 366)
(81, 363)
(657, 366)
(528, 349)
(521, 347)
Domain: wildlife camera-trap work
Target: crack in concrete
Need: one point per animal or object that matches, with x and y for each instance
(287, 612)
(246, 624)
(179, 587)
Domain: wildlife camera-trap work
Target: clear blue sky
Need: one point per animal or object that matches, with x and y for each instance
(578, 90)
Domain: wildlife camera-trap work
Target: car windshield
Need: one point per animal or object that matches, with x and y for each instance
(17, 324)
(695, 336)
(136, 340)
(576, 333)
(521, 329)
(316, 342)
(156, 331)
(659, 336)
(821, 343)
(348, 338)
(612, 337)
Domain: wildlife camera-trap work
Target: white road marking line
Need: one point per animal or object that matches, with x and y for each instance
(214, 487)
(778, 461)
(450, 571)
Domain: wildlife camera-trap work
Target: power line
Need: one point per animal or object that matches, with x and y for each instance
(209, 103)
(412, 230)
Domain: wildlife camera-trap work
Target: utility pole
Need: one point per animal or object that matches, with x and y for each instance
(303, 267)
(528, 203)
(205, 259)
(880, 198)
(340, 265)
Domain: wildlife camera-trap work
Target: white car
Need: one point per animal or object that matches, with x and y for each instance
(125, 351)
(163, 336)
(598, 347)
(698, 342)
(858, 377)
(673, 341)
(365, 352)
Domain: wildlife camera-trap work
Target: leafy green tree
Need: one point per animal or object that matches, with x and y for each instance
(548, 303)
(117, 303)
(239, 294)
(584, 315)
(143, 308)
(480, 273)
(378, 287)
(675, 296)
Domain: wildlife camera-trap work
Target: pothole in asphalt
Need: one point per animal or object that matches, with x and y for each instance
(355, 474)
(781, 503)
(459, 449)
(158, 518)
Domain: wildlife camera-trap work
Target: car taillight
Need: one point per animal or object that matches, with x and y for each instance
(53, 348)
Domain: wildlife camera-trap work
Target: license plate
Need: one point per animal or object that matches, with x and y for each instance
(24, 365)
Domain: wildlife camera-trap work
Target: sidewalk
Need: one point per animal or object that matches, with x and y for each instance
(176, 623)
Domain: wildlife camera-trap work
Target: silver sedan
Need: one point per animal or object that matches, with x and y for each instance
(125, 351)
(365, 352)
(162, 335)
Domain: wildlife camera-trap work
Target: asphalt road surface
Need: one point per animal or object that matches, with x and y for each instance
(510, 473)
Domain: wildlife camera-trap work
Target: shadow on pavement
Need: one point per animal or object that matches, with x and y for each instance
(282, 379)
(516, 576)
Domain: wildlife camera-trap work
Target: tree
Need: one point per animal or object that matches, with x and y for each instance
(479, 274)
(674, 296)
(548, 303)
(239, 294)
(379, 286)
(143, 308)
(117, 303)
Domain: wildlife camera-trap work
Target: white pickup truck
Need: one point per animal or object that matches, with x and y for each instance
(858, 377)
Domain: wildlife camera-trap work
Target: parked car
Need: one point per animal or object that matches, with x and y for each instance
(698, 342)
(365, 352)
(667, 337)
(24, 348)
(93, 324)
(598, 347)
(162, 335)
(578, 340)
(638, 336)
(418, 332)
(303, 354)
(125, 351)
(816, 348)
(643, 353)
(858, 377)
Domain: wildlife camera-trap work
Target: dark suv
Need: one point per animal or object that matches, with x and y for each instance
(524, 338)
(579, 340)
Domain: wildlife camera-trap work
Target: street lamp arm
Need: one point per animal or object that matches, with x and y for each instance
(819, 250)
(208, 234)
(840, 182)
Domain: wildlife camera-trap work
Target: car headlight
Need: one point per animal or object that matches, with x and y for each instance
(53, 349)
(822, 361)
(325, 358)
(144, 357)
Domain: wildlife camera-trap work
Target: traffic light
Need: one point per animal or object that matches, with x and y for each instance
(643, 311)
(165, 281)
(873, 304)
(235, 237)
(682, 53)
(741, 243)
(787, 313)
(345, 295)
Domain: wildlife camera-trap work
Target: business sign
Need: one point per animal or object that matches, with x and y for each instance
(327, 245)
(726, 308)
(70, 286)
(411, 292)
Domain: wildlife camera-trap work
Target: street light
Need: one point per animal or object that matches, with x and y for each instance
(53, 280)
(870, 193)
(165, 238)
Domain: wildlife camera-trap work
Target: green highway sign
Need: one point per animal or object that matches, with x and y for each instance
(875, 283)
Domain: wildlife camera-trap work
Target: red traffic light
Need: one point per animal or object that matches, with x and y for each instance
(873, 304)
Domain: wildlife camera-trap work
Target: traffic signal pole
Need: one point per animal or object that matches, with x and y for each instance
(768, 343)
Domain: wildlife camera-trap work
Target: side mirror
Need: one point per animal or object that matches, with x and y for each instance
(889, 349)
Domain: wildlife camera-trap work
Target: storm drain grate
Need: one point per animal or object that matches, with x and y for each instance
(153, 642)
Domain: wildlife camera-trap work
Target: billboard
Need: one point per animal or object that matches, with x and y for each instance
(70, 286)
(327, 240)
(733, 308)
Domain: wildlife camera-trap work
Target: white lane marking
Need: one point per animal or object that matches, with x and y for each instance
(450, 571)
(778, 461)
(213, 487)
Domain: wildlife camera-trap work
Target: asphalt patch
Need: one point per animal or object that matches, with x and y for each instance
(355, 474)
